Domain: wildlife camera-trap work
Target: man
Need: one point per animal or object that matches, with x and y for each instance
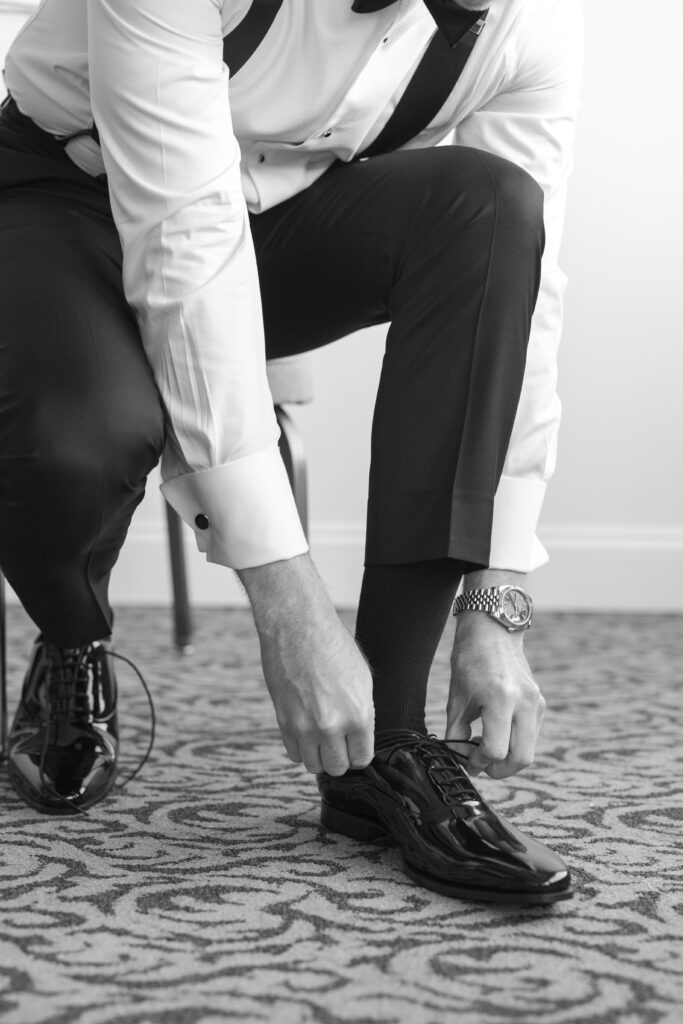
(292, 207)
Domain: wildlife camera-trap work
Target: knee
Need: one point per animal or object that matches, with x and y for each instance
(517, 196)
(492, 189)
(115, 445)
(56, 458)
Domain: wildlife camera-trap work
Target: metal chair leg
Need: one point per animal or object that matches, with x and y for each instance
(182, 613)
(3, 670)
(294, 458)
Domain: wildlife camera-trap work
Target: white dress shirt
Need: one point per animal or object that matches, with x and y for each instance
(187, 154)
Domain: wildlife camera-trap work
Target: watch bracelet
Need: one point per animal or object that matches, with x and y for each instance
(478, 600)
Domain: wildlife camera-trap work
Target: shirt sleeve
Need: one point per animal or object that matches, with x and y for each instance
(159, 94)
(532, 123)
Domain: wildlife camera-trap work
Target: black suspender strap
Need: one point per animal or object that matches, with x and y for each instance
(425, 94)
(427, 91)
(238, 46)
(92, 132)
(245, 39)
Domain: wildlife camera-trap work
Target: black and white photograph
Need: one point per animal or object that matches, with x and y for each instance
(341, 512)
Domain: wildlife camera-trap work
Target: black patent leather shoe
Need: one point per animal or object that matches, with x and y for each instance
(416, 793)
(63, 743)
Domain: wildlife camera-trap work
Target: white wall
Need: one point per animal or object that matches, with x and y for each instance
(613, 518)
(12, 16)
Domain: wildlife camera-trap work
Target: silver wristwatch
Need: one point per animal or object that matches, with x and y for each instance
(510, 606)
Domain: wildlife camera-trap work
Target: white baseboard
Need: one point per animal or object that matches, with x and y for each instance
(606, 568)
(611, 567)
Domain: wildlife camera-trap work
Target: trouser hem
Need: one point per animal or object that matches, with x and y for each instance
(407, 528)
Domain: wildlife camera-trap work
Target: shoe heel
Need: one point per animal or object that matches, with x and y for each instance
(350, 824)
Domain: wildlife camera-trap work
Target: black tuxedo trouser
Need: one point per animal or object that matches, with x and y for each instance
(443, 243)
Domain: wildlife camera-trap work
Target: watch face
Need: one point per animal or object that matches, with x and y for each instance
(516, 607)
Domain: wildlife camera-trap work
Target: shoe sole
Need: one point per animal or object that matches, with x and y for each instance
(355, 827)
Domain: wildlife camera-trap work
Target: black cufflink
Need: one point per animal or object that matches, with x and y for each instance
(201, 522)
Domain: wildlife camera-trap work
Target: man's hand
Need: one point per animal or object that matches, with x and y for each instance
(317, 678)
(491, 680)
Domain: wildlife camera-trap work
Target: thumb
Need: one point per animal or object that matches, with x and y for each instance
(457, 726)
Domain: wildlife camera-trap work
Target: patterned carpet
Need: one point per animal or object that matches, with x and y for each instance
(206, 892)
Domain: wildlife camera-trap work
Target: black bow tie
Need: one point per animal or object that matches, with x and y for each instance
(453, 20)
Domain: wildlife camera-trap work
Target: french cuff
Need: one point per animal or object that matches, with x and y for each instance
(243, 513)
(516, 509)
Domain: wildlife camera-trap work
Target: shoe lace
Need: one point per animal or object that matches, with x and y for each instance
(67, 693)
(443, 765)
(67, 684)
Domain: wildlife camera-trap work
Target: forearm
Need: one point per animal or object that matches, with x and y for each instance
(289, 590)
(484, 578)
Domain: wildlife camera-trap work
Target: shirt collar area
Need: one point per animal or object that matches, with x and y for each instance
(452, 19)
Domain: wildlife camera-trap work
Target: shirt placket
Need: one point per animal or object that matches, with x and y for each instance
(365, 107)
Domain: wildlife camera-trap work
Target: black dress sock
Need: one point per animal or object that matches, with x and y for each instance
(402, 612)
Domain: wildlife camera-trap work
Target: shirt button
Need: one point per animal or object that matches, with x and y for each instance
(261, 158)
(327, 134)
(201, 522)
(386, 39)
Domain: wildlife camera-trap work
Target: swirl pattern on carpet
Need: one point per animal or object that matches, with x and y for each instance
(207, 891)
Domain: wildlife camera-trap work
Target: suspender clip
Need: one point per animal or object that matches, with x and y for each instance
(478, 25)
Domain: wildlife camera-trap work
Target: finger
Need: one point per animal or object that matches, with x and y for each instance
(310, 755)
(334, 756)
(522, 746)
(495, 740)
(459, 731)
(464, 748)
(458, 728)
(360, 747)
(540, 711)
(291, 747)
